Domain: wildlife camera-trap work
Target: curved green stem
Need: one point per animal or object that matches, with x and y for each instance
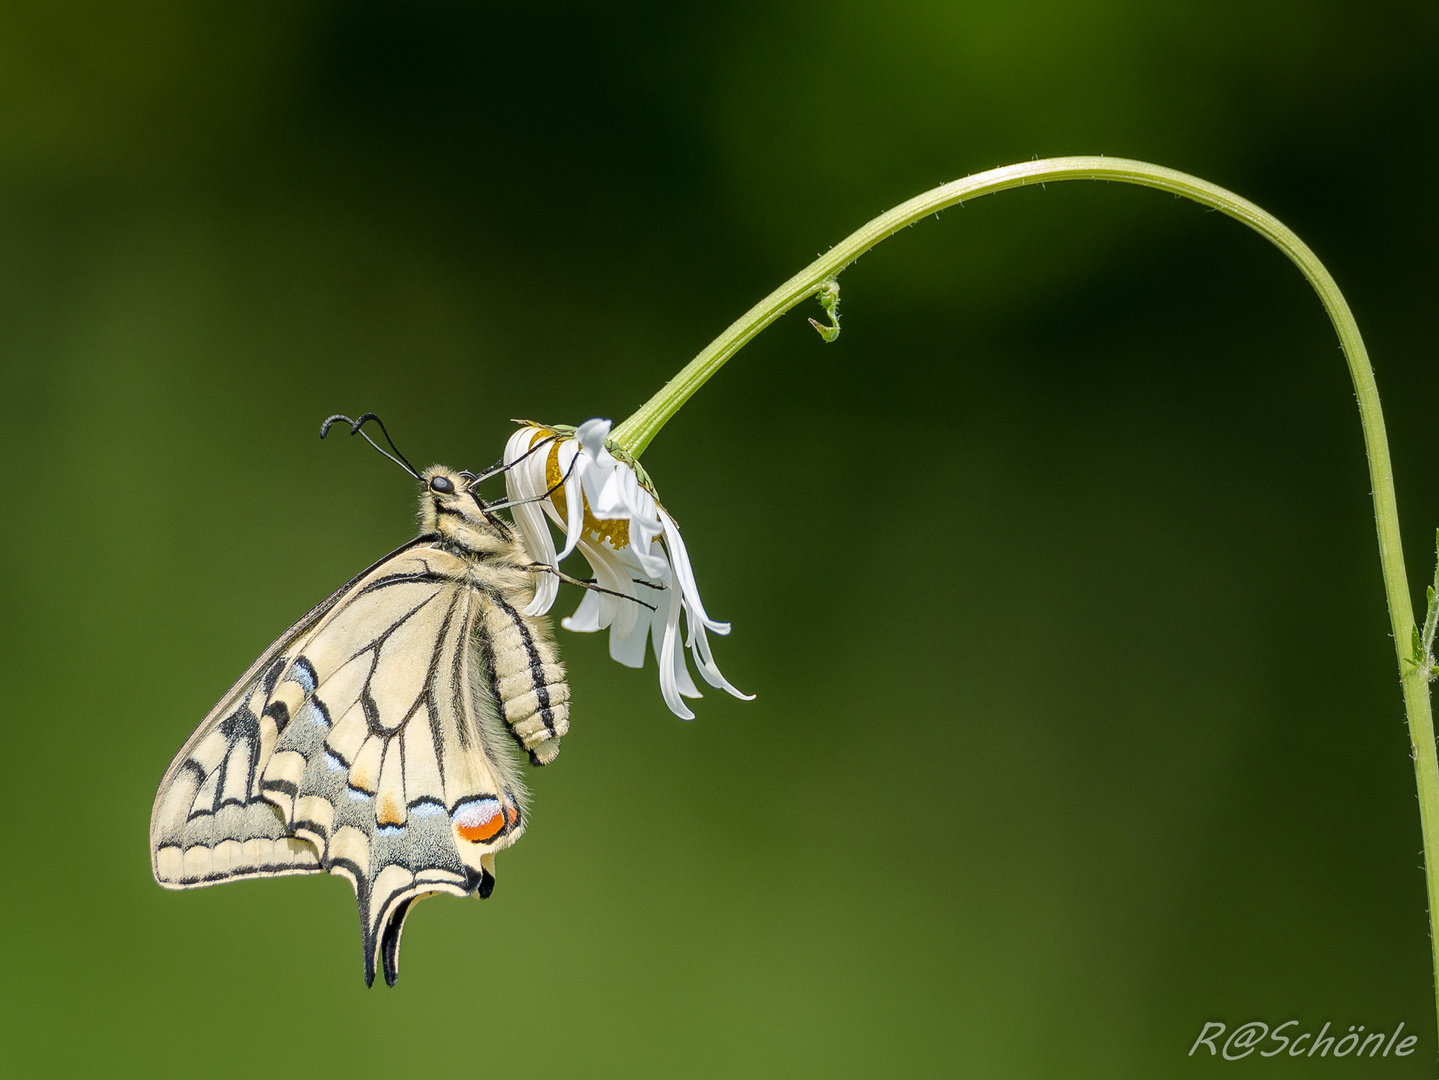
(635, 433)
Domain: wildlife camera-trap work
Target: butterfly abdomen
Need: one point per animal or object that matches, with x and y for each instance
(528, 678)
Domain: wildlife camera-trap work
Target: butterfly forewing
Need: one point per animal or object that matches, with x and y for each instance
(370, 741)
(197, 836)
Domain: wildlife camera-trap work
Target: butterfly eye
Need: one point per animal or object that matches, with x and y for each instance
(442, 484)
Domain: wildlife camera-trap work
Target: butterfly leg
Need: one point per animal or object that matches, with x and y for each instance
(582, 583)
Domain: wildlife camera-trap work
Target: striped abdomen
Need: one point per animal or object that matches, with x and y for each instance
(528, 678)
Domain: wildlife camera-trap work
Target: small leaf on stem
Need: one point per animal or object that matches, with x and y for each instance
(828, 297)
(1424, 655)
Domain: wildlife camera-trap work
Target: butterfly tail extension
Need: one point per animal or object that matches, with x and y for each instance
(386, 948)
(528, 679)
(390, 942)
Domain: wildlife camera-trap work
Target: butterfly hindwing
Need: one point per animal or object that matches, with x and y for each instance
(396, 770)
(369, 742)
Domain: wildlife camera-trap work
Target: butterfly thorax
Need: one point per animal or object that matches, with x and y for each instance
(459, 516)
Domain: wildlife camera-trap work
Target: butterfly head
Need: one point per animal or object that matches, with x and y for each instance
(451, 507)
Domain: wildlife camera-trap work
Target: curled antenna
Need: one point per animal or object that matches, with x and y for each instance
(357, 428)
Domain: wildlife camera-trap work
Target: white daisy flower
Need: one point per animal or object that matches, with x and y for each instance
(607, 510)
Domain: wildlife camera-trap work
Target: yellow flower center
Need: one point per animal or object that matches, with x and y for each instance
(613, 531)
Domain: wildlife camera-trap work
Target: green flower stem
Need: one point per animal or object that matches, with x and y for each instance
(634, 434)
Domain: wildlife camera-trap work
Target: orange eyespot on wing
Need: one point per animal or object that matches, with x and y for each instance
(479, 820)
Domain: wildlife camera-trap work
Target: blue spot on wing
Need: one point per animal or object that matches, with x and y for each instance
(304, 674)
(313, 712)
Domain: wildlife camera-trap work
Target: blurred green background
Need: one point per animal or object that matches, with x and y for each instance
(1077, 721)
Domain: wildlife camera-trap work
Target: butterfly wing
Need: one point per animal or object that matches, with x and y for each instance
(371, 735)
(210, 822)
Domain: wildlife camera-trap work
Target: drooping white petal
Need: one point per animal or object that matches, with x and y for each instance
(684, 682)
(629, 649)
(519, 487)
(609, 502)
(586, 619)
(620, 495)
(596, 464)
(645, 527)
(613, 574)
(572, 471)
(530, 519)
(547, 589)
(591, 435)
(666, 648)
(679, 556)
(652, 564)
(591, 477)
(709, 671)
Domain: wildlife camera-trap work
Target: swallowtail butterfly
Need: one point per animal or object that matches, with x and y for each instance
(371, 739)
